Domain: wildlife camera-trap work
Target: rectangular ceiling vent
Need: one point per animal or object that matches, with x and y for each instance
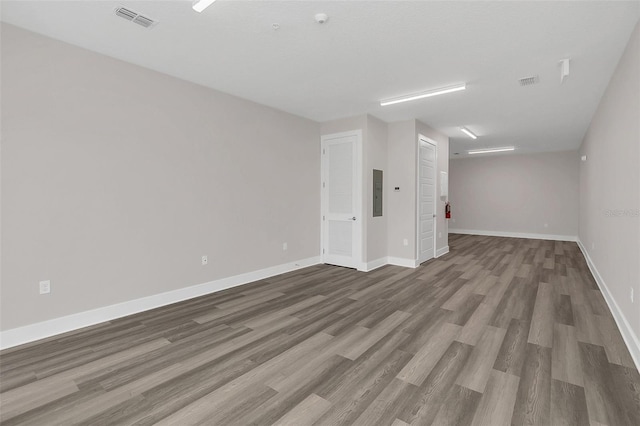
(132, 16)
(529, 81)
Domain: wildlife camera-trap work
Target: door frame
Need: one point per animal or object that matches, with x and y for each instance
(423, 139)
(358, 188)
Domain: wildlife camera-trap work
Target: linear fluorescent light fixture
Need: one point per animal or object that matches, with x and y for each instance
(490, 150)
(421, 95)
(468, 133)
(201, 5)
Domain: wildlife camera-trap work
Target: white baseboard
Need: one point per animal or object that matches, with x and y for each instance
(41, 330)
(375, 264)
(630, 338)
(400, 261)
(515, 235)
(442, 251)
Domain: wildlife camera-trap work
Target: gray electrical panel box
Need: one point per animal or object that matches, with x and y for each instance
(377, 193)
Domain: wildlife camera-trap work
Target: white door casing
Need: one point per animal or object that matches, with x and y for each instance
(341, 190)
(426, 199)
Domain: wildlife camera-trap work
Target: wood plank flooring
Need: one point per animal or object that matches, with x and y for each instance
(500, 331)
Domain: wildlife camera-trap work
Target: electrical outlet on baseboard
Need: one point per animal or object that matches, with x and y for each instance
(205, 260)
(284, 247)
(405, 242)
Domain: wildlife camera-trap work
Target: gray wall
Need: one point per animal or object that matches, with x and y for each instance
(375, 157)
(402, 174)
(358, 122)
(116, 179)
(610, 186)
(516, 194)
(403, 151)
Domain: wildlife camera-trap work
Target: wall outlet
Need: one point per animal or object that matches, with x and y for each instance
(439, 234)
(405, 242)
(284, 246)
(593, 246)
(45, 287)
(205, 260)
(546, 225)
(631, 294)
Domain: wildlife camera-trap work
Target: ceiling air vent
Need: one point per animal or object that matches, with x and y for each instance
(529, 81)
(144, 21)
(132, 16)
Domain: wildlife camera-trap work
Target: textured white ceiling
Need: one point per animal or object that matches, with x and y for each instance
(369, 50)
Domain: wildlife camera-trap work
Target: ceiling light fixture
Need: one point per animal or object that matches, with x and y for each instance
(490, 150)
(201, 5)
(468, 133)
(421, 95)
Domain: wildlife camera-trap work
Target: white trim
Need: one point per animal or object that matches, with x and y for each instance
(515, 235)
(375, 264)
(444, 250)
(41, 330)
(629, 337)
(429, 141)
(400, 261)
(358, 261)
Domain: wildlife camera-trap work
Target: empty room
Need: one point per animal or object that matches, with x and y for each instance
(299, 213)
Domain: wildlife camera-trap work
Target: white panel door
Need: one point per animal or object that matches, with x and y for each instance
(426, 201)
(341, 200)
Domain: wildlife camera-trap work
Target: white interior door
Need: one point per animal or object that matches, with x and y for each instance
(341, 199)
(426, 200)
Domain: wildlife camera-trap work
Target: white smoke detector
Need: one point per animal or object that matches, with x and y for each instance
(321, 18)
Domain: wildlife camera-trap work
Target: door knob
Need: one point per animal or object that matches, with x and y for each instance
(353, 218)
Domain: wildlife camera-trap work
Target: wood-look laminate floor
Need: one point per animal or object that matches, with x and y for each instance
(499, 331)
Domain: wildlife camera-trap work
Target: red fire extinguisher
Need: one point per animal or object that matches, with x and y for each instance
(447, 210)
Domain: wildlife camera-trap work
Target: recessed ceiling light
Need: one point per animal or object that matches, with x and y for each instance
(489, 150)
(468, 133)
(201, 5)
(421, 95)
